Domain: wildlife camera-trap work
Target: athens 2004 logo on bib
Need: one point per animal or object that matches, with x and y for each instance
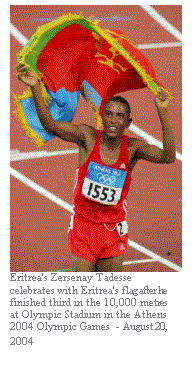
(103, 184)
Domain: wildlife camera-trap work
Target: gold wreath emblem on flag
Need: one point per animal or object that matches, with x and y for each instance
(110, 61)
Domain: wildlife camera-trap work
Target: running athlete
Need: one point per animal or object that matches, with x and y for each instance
(98, 230)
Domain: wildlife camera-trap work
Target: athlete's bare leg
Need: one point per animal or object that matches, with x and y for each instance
(110, 264)
(102, 265)
(82, 265)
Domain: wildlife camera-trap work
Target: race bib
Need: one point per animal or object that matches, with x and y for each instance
(103, 184)
(122, 228)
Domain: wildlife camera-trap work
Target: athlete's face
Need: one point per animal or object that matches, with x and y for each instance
(115, 119)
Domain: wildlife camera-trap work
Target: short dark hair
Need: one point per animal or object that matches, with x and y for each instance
(118, 98)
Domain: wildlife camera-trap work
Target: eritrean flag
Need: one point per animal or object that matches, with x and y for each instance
(72, 55)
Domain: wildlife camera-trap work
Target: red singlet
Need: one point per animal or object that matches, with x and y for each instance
(101, 189)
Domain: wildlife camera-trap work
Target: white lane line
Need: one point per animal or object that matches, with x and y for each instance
(41, 190)
(159, 45)
(17, 156)
(18, 35)
(68, 207)
(40, 154)
(162, 21)
(140, 261)
(14, 152)
(142, 249)
(150, 139)
(23, 40)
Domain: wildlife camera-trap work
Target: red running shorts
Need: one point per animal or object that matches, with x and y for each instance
(92, 241)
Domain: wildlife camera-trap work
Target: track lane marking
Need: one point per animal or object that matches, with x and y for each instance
(150, 139)
(40, 154)
(140, 261)
(159, 45)
(50, 196)
(69, 208)
(23, 40)
(162, 21)
(145, 251)
(18, 35)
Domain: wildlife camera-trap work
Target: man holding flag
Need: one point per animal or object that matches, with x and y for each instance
(98, 230)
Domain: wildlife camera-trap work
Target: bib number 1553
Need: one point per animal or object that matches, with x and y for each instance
(101, 193)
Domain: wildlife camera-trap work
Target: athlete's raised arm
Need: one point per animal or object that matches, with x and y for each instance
(151, 152)
(66, 131)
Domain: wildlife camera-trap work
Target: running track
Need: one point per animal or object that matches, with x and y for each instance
(42, 179)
